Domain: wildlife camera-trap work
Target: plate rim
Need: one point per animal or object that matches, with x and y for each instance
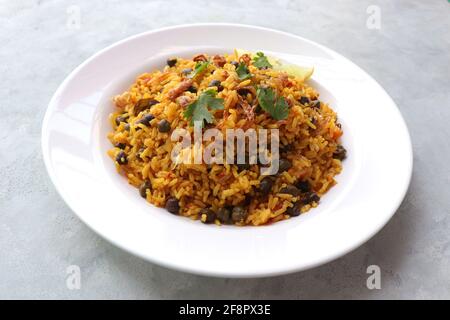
(242, 274)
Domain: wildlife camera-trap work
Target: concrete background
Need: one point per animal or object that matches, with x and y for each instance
(40, 236)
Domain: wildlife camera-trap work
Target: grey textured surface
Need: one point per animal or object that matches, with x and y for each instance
(40, 236)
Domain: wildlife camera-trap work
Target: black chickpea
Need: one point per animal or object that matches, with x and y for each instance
(164, 126)
(172, 205)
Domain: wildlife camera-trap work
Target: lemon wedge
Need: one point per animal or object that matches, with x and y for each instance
(301, 72)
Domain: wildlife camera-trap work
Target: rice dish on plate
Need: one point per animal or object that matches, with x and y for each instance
(240, 90)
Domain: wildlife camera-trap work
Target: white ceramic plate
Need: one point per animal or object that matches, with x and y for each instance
(374, 180)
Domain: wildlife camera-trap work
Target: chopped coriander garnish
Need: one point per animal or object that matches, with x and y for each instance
(242, 72)
(200, 67)
(198, 110)
(260, 61)
(277, 107)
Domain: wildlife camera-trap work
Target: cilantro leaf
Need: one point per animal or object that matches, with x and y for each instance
(277, 107)
(198, 110)
(200, 67)
(260, 61)
(266, 98)
(242, 72)
(281, 109)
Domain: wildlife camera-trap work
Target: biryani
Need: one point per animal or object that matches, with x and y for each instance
(244, 91)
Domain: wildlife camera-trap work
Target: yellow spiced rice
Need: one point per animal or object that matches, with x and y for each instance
(309, 137)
